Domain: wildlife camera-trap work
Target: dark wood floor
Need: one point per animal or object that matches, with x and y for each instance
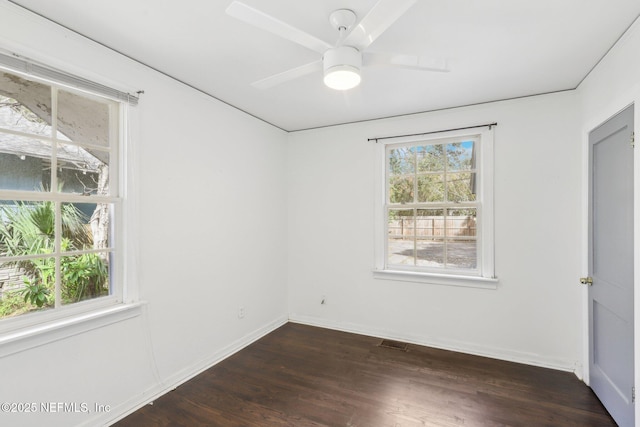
(304, 376)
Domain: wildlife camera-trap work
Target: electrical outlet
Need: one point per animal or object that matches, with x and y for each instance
(241, 313)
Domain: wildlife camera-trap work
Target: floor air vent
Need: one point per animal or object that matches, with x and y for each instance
(396, 345)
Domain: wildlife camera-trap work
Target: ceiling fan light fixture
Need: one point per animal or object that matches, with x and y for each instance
(342, 77)
(342, 67)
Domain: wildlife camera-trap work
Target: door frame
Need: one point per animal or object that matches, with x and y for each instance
(607, 113)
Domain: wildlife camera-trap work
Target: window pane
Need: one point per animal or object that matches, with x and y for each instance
(84, 277)
(401, 252)
(25, 106)
(83, 120)
(26, 228)
(83, 171)
(462, 254)
(401, 223)
(401, 231)
(461, 156)
(461, 187)
(430, 188)
(85, 226)
(461, 222)
(402, 161)
(430, 253)
(430, 223)
(26, 286)
(430, 158)
(401, 189)
(430, 237)
(25, 163)
(461, 243)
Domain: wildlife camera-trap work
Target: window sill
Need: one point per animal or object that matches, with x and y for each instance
(437, 279)
(45, 333)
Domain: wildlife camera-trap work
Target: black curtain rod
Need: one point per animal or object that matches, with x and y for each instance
(489, 125)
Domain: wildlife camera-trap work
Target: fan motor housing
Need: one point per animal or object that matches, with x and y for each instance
(342, 56)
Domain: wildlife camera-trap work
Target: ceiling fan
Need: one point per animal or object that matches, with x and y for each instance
(341, 62)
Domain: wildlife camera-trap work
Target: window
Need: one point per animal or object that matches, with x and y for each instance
(436, 211)
(59, 199)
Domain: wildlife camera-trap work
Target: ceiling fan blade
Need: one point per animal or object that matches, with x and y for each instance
(376, 22)
(268, 23)
(412, 62)
(288, 75)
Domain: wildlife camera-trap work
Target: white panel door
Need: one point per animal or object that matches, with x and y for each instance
(611, 356)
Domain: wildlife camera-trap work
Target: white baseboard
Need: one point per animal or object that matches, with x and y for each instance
(532, 359)
(176, 379)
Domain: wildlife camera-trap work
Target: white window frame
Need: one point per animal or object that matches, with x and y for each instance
(484, 275)
(34, 329)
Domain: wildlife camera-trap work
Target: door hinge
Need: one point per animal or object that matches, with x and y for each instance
(586, 281)
(633, 139)
(633, 394)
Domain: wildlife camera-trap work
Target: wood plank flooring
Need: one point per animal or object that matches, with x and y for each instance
(305, 376)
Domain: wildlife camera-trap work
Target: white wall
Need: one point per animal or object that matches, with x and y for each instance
(208, 185)
(304, 204)
(534, 316)
(611, 87)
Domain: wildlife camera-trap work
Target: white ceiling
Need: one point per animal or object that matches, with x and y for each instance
(496, 49)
